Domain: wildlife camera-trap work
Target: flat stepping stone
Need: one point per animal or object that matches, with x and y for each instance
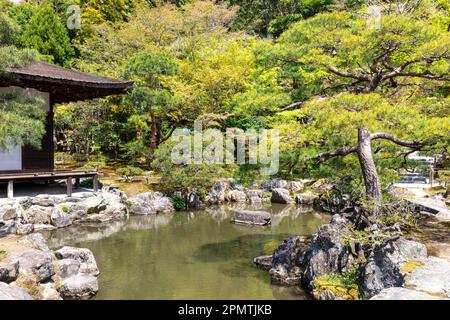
(398, 293)
(259, 218)
(433, 277)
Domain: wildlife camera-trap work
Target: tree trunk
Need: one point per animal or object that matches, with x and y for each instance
(368, 168)
(154, 128)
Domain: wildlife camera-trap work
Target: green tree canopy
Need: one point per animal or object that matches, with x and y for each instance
(46, 33)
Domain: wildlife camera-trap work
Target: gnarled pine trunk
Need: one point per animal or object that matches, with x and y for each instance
(368, 168)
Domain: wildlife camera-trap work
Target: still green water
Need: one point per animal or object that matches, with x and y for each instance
(189, 255)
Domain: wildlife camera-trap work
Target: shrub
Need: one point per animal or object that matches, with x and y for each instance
(94, 165)
(178, 203)
(129, 173)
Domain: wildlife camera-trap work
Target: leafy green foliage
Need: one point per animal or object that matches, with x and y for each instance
(178, 202)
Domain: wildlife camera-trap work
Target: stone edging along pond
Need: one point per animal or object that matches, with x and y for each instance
(321, 264)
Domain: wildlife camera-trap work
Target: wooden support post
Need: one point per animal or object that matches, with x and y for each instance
(77, 183)
(431, 176)
(10, 189)
(69, 186)
(95, 183)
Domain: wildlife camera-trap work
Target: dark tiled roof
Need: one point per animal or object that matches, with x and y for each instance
(46, 70)
(65, 85)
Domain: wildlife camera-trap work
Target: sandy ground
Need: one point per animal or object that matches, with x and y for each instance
(11, 244)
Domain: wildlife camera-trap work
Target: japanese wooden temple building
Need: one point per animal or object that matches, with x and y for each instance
(53, 85)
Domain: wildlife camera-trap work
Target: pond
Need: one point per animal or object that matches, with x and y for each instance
(189, 255)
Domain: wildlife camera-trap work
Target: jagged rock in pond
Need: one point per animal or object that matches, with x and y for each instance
(280, 195)
(237, 196)
(24, 228)
(79, 286)
(306, 198)
(91, 205)
(326, 254)
(383, 267)
(60, 219)
(9, 271)
(114, 211)
(284, 269)
(274, 184)
(431, 277)
(295, 186)
(399, 293)
(150, 203)
(259, 218)
(336, 204)
(8, 292)
(236, 186)
(217, 193)
(7, 228)
(258, 196)
(85, 257)
(193, 201)
(47, 291)
(68, 268)
(38, 215)
(263, 262)
(36, 240)
(38, 264)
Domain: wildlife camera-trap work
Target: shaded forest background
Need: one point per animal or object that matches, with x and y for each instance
(316, 70)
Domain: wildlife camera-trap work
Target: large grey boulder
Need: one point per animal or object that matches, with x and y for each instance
(237, 196)
(402, 250)
(383, 267)
(281, 195)
(38, 264)
(68, 268)
(285, 270)
(259, 218)
(24, 228)
(60, 219)
(9, 271)
(48, 291)
(306, 198)
(8, 292)
(38, 215)
(8, 212)
(193, 201)
(274, 184)
(91, 205)
(79, 286)
(295, 186)
(399, 293)
(7, 228)
(150, 203)
(217, 193)
(43, 201)
(379, 273)
(327, 254)
(432, 277)
(116, 211)
(258, 196)
(84, 256)
(36, 240)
